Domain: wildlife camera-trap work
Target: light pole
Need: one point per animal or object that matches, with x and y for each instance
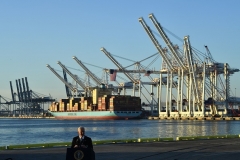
(235, 94)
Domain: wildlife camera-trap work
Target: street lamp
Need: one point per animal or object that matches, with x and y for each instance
(235, 92)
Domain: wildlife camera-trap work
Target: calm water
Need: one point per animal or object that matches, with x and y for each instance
(29, 131)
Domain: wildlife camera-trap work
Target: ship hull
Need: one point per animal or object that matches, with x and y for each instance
(95, 115)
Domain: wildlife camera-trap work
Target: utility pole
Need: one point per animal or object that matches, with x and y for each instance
(235, 95)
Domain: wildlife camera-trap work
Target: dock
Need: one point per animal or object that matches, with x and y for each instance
(149, 118)
(195, 118)
(220, 149)
(28, 117)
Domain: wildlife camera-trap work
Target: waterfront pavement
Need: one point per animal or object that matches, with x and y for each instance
(221, 149)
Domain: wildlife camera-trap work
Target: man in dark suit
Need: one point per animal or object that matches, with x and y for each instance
(82, 140)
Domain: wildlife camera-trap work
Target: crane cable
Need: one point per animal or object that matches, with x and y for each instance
(141, 60)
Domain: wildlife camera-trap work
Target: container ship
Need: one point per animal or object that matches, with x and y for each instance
(101, 105)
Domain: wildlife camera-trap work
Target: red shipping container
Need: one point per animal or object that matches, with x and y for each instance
(99, 106)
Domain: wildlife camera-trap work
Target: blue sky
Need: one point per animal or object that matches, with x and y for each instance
(40, 32)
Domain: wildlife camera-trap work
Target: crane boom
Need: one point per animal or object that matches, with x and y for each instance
(155, 42)
(24, 90)
(3, 98)
(28, 92)
(13, 98)
(117, 64)
(19, 96)
(69, 94)
(136, 71)
(72, 75)
(192, 72)
(93, 76)
(166, 40)
(66, 83)
(20, 87)
(209, 54)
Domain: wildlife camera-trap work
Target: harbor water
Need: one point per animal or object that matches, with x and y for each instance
(32, 131)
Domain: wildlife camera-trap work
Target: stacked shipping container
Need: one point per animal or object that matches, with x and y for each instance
(63, 104)
(54, 106)
(86, 103)
(103, 103)
(125, 103)
(106, 102)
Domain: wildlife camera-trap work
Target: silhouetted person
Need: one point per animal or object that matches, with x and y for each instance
(83, 141)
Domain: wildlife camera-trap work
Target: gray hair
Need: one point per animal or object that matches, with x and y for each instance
(82, 129)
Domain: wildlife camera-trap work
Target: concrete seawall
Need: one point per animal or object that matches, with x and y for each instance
(195, 118)
(30, 117)
(150, 118)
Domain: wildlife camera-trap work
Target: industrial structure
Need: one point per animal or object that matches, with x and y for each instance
(25, 102)
(203, 85)
(188, 84)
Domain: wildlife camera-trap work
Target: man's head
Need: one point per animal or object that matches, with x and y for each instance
(81, 131)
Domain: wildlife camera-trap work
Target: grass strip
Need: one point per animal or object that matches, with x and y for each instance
(206, 137)
(99, 142)
(40, 145)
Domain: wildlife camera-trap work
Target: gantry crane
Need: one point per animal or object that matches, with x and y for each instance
(156, 44)
(209, 55)
(167, 41)
(24, 91)
(6, 105)
(195, 77)
(170, 68)
(192, 72)
(28, 91)
(134, 81)
(13, 98)
(68, 92)
(75, 78)
(70, 86)
(93, 76)
(118, 65)
(179, 69)
(18, 92)
(192, 82)
(20, 87)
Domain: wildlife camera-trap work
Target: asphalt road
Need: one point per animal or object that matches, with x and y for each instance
(221, 149)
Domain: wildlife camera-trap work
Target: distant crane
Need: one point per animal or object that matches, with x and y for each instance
(209, 56)
(93, 76)
(197, 78)
(156, 43)
(167, 40)
(13, 98)
(70, 86)
(74, 77)
(6, 105)
(134, 81)
(68, 92)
